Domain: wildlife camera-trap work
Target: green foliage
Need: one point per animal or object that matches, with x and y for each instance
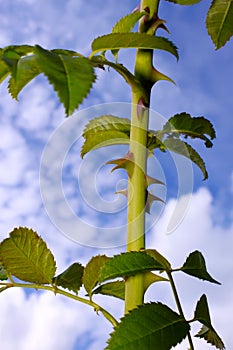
(71, 278)
(184, 2)
(160, 258)
(126, 23)
(105, 131)
(132, 40)
(92, 272)
(207, 331)
(183, 148)
(211, 337)
(183, 124)
(26, 70)
(195, 266)
(71, 77)
(25, 255)
(150, 326)
(194, 127)
(115, 289)
(219, 22)
(128, 264)
(111, 130)
(3, 273)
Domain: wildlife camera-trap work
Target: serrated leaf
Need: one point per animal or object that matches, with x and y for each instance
(126, 24)
(150, 326)
(4, 70)
(66, 52)
(132, 40)
(194, 127)
(104, 131)
(202, 313)
(3, 273)
(184, 2)
(159, 257)
(92, 271)
(128, 264)
(26, 70)
(21, 50)
(195, 266)
(219, 22)
(183, 148)
(210, 335)
(207, 332)
(26, 256)
(115, 289)
(71, 278)
(71, 77)
(12, 54)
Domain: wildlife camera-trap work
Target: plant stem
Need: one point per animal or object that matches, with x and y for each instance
(56, 290)
(179, 307)
(134, 287)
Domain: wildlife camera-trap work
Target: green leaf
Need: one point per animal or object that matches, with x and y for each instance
(25, 255)
(71, 278)
(184, 2)
(202, 313)
(3, 273)
(12, 54)
(128, 264)
(219, 22)
(210, 335)
(26, 70)
(92, 271)
(4, 69)
(184, 149)
(207, 331)
(159, 257)
(104, 131)
(20, 50)
(132, 40)
(194, 127)
(71, 77)
(126, 23)
(115, 289)
(195, 266)
(149, 327)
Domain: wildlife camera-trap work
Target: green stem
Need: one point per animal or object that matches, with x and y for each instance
(134, 286)
(179, 307)
(56, 290)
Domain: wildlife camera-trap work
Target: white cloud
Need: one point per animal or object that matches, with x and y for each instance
(25, 320)
(44, 316)
(198, 231)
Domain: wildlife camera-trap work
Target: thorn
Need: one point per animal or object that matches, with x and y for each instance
(156, 76)
(127, 163)
(150, 198)
(151, 180)
(124, 192)
(141, 108)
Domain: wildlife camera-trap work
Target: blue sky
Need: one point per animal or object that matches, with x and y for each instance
(203, 79)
